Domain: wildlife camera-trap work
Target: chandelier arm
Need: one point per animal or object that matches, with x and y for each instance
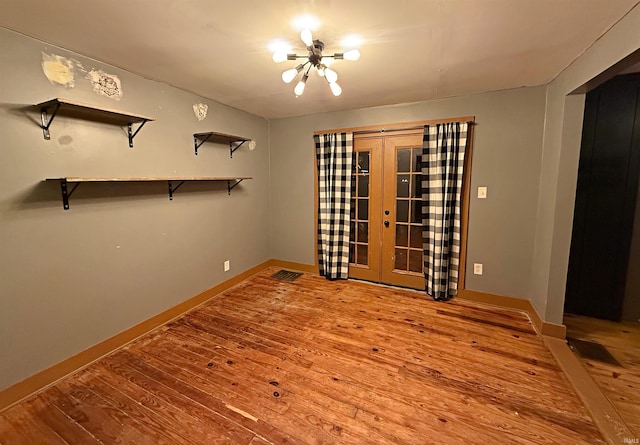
(308, 69)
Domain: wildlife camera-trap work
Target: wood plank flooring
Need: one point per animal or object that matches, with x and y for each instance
(316, 362)
(621, 384)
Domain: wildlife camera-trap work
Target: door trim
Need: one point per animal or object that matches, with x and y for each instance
(397, 126)
(466, 181)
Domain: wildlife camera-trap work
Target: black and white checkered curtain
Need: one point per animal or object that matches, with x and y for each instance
(443, 150)
(334, 157)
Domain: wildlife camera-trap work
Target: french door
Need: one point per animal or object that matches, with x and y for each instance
(386, 210)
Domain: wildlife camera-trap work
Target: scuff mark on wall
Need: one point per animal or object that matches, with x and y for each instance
(105, 84)
(200, 110)
(59, 70)
(65, 140)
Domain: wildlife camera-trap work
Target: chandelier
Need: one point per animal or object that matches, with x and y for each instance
(314, 59)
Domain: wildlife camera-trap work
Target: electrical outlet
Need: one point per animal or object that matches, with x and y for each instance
(227, 266)
(477, 268)
(482, 193)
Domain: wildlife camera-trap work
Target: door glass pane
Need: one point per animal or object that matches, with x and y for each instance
(363, 162)
(401, 259)
(402, 210)
(362, 254)
(404, 160)
(402, 188)
(416, 186)
(416, 237)
(415, 261)
(416, 211)
(363, 209)
(402, 235)
(352, 210)
(359, 252)
(352, 231)
(363, 185)
(417, 160)
(363, 232)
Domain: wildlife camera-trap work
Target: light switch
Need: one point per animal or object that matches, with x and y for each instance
(482, 193)
(477, 268)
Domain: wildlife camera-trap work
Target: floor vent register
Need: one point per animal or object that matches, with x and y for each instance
(591, 350)
(286, 275)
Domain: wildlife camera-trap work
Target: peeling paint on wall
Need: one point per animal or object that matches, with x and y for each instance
(105, 84)
(79, 66)
(59, 70)
(200, 110)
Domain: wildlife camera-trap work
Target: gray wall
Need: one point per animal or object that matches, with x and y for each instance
(506, 159)
(559, 167)
(122, 253)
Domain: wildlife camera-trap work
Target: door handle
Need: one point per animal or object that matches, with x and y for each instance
(386, 223)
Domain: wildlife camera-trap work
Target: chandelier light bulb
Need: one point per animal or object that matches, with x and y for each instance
(299, 89)
(306, 37)
(353, 55)
(279, 56)
(335, 89)
(291, 74)
(321, 71)
(331, 75)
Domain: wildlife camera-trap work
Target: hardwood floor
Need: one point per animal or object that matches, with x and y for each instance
(314, 361)
(621, 384)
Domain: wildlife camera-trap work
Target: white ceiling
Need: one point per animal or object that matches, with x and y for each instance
(412, 50)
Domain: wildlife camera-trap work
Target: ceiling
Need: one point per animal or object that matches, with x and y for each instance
(412, 50)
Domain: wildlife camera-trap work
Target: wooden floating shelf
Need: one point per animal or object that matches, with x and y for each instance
(149, 179)
(51, 108)
(219, 138)
(78, 109)
(66, 190)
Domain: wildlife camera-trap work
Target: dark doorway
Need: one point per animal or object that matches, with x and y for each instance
(605, 204)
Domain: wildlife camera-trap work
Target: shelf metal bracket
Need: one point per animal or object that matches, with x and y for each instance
(132, 133)
(232, 148)
(46, 123)
(197, 145)
(172, 189)
(231, 187)
(66, 193)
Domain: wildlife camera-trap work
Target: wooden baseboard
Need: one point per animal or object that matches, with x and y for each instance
(308, 268)
(521, 304)
(49, 376)
(558, 331)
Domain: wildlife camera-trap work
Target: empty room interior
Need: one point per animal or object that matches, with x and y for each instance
(320, 222)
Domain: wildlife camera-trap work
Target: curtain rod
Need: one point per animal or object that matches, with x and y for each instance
(383, 130)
